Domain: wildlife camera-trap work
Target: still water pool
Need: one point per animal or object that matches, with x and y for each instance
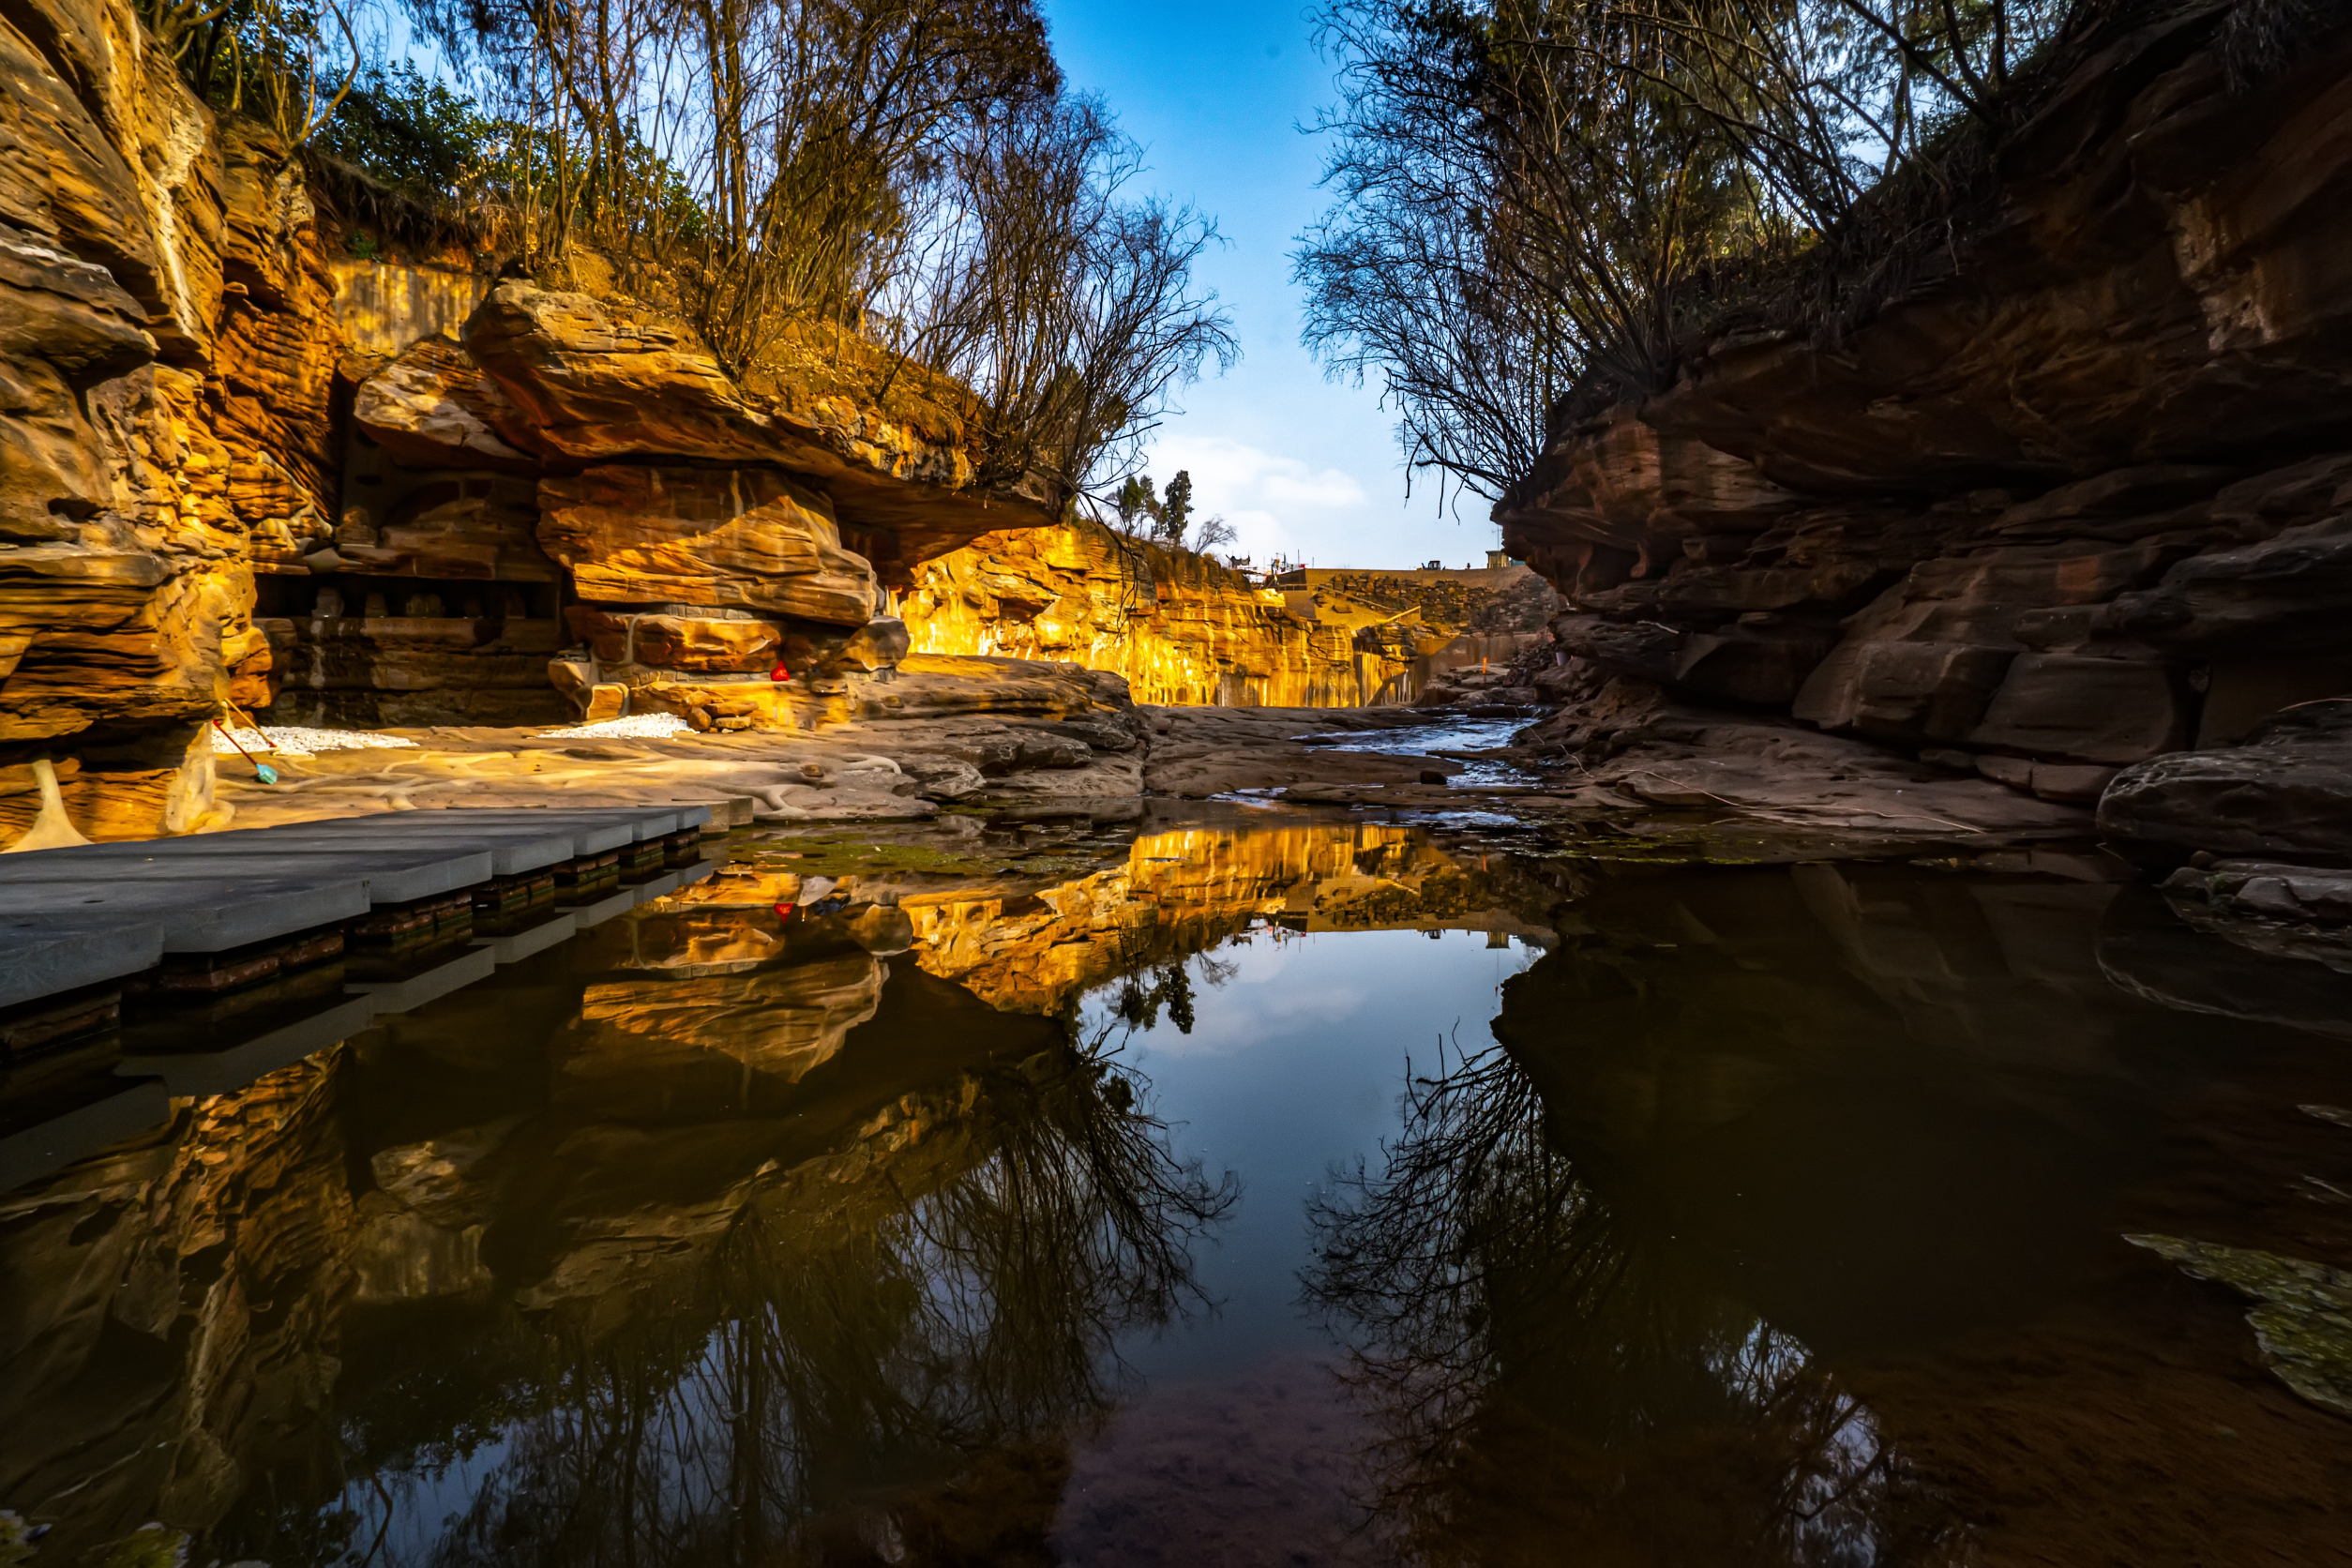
(1296, 1190)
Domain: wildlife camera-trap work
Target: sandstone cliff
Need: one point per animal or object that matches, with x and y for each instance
(2073, 500)
(708, 546)
(1186, 631)
(157, 426)
(250, 456)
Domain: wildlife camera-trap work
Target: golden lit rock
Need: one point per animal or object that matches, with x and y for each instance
(1186, 631)
(744, 537)
(435, 408)
(676, 642)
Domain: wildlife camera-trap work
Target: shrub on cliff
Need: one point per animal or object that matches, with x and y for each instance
(410, 132)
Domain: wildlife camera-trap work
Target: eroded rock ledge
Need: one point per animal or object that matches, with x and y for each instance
(2068, 519)
(259, 459)
(254, 460)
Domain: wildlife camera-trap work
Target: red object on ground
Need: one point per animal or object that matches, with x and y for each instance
(779, 673)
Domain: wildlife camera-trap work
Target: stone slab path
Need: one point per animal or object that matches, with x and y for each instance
(79, 916)
(83, 917)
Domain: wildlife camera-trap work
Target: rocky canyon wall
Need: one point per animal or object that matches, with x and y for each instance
(159, 424)
(2077, 498)
(1184, 630)
(256, 457)
(560, 503)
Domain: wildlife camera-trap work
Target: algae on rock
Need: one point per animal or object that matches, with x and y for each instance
(2302, 1317)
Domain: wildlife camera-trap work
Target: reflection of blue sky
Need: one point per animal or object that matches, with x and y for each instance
(1214, 92)
(400, 1515)
(1293, 1066)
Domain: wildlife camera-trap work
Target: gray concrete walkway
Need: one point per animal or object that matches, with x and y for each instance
(77, 917)
(80, 916)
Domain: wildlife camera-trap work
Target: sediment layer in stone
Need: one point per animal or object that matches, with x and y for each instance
(245, 460)
(1183, 629)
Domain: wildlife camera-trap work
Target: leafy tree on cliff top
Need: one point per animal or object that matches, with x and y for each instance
(412, 132)
(1166, 518)
(1136, 503)
(1175, 510)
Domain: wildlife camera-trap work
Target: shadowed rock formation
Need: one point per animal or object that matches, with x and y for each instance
(2072, 500)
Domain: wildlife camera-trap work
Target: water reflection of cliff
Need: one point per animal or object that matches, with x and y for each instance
(1786, 1226)
(1185, 890)
(713, 1234)
(1726, 1051)
(1546, 1367)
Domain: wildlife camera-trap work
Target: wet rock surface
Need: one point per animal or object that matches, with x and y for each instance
(2287, 790)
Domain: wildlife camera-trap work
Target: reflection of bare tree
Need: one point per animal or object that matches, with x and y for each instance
(852, 1354)
(1145, 989)
(1545, 1368)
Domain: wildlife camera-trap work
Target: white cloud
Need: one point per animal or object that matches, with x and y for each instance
(1273, 502)
(1347, 513)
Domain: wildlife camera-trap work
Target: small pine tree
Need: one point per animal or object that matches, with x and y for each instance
(1136, 504)
(1174, 513)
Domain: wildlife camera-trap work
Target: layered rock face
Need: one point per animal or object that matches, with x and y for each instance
(1186, 631)
(713, 543)
(244, 467)
(150, 274)
(695, 576)
(1181, 628)
(2080, 498)
(599, 379)
(178, 343)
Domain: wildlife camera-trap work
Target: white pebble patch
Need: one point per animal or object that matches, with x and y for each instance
(644, 726)
(294, 740)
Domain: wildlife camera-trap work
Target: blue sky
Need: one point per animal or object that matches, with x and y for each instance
(1300, 465)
